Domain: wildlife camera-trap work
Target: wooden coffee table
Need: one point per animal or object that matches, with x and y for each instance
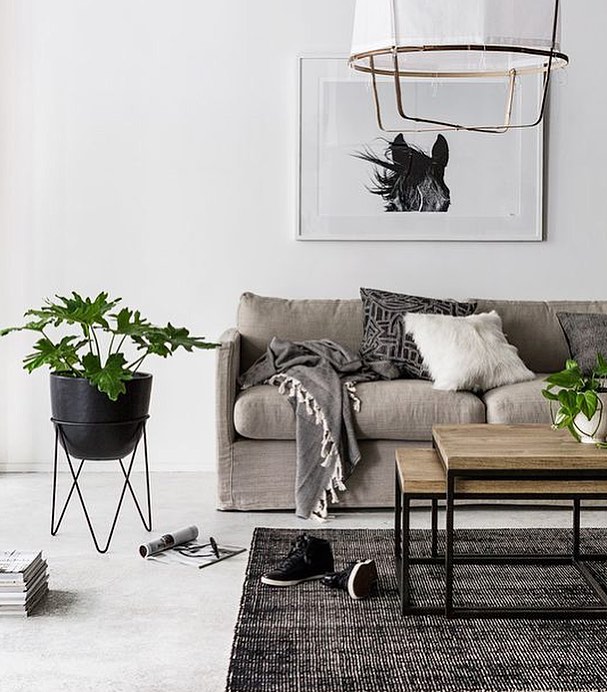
(482, 461)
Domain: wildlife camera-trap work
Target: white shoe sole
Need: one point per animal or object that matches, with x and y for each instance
(292, 582)
(361, 579)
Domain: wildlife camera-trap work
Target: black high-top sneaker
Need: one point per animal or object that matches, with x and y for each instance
(358, 579)
(309, 558)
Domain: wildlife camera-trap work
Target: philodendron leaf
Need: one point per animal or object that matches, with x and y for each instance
(581, 405)
(110, 377)
(592, 403)
(130, 323)
(155, 341)
(34, 325)
(566, 378)
(59, 357)
(568, 399)
(164, 341)
(76, 310)
(179, 337)
(561, 419)
(551, 396)
(9, 330)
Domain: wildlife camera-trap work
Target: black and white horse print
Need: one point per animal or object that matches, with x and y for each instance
(407, 179)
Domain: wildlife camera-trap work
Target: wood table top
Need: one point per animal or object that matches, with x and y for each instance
(483, 446)
(421, 472)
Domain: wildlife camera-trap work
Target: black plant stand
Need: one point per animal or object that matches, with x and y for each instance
(60, 436)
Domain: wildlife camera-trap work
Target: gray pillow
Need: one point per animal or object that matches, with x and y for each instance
(586, 335)
(386, 346)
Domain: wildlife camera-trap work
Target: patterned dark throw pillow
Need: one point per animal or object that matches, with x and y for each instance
(586, 335)
(386, 346)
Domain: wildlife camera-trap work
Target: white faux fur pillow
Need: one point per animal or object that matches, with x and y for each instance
(468, 353)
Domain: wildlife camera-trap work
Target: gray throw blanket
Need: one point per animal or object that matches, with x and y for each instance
(319, 378)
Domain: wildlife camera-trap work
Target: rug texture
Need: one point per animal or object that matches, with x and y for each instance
(309, 638)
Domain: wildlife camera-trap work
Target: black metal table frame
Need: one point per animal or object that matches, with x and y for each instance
(576, 558)
(75, 474)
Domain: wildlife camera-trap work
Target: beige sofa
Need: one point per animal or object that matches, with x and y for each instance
(256, 427)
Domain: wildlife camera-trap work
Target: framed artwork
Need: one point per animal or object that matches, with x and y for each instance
(357, 182)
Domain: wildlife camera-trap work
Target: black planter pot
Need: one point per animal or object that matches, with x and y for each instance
(92, 425)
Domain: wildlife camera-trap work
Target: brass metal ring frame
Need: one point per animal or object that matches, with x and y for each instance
(559, 60)
(549, 60)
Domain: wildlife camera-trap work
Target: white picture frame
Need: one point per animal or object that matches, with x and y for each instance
(494, 181)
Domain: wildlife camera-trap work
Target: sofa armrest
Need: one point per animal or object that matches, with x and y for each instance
(228, 367)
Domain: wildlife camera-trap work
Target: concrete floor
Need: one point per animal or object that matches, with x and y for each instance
(118, 623)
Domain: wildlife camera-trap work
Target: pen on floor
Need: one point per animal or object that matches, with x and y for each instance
(214, 546)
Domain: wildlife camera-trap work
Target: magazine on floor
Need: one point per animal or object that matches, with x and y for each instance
(184, 547)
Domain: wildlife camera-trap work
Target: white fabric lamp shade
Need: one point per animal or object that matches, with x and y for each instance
(456, 37)
(460, 39)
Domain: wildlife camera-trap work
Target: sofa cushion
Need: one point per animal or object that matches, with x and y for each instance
(391, 410)
(261, 318)
(518, 403)
(533, 327)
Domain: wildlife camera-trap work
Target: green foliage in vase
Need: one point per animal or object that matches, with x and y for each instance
(575, 393)
(95, 351)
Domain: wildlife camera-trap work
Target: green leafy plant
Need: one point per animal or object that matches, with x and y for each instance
(95, 352)
(575, 393)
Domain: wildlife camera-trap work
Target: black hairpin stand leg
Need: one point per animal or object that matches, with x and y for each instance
(146, 523)
(127, 484)
(55, 527)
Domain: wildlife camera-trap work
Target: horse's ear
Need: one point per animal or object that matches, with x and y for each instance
(401, 151)
(440, 152)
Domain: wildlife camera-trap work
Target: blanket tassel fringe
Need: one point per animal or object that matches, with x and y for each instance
(329, 450)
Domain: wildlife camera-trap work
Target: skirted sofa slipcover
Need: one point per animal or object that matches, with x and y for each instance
(256, 427)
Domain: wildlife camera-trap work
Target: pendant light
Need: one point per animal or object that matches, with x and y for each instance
(459, 40)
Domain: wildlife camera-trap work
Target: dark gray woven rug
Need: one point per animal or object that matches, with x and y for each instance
(309, 638)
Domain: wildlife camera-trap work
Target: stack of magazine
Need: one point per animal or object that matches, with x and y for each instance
(23, 582)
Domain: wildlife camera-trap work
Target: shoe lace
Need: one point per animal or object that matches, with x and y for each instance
(297, 552)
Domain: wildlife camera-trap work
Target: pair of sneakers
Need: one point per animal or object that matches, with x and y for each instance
(312, 558)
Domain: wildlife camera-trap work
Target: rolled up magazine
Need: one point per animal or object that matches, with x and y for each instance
(181, 547)
(168, 541)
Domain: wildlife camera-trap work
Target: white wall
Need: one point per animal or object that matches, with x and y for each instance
(148, 148)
